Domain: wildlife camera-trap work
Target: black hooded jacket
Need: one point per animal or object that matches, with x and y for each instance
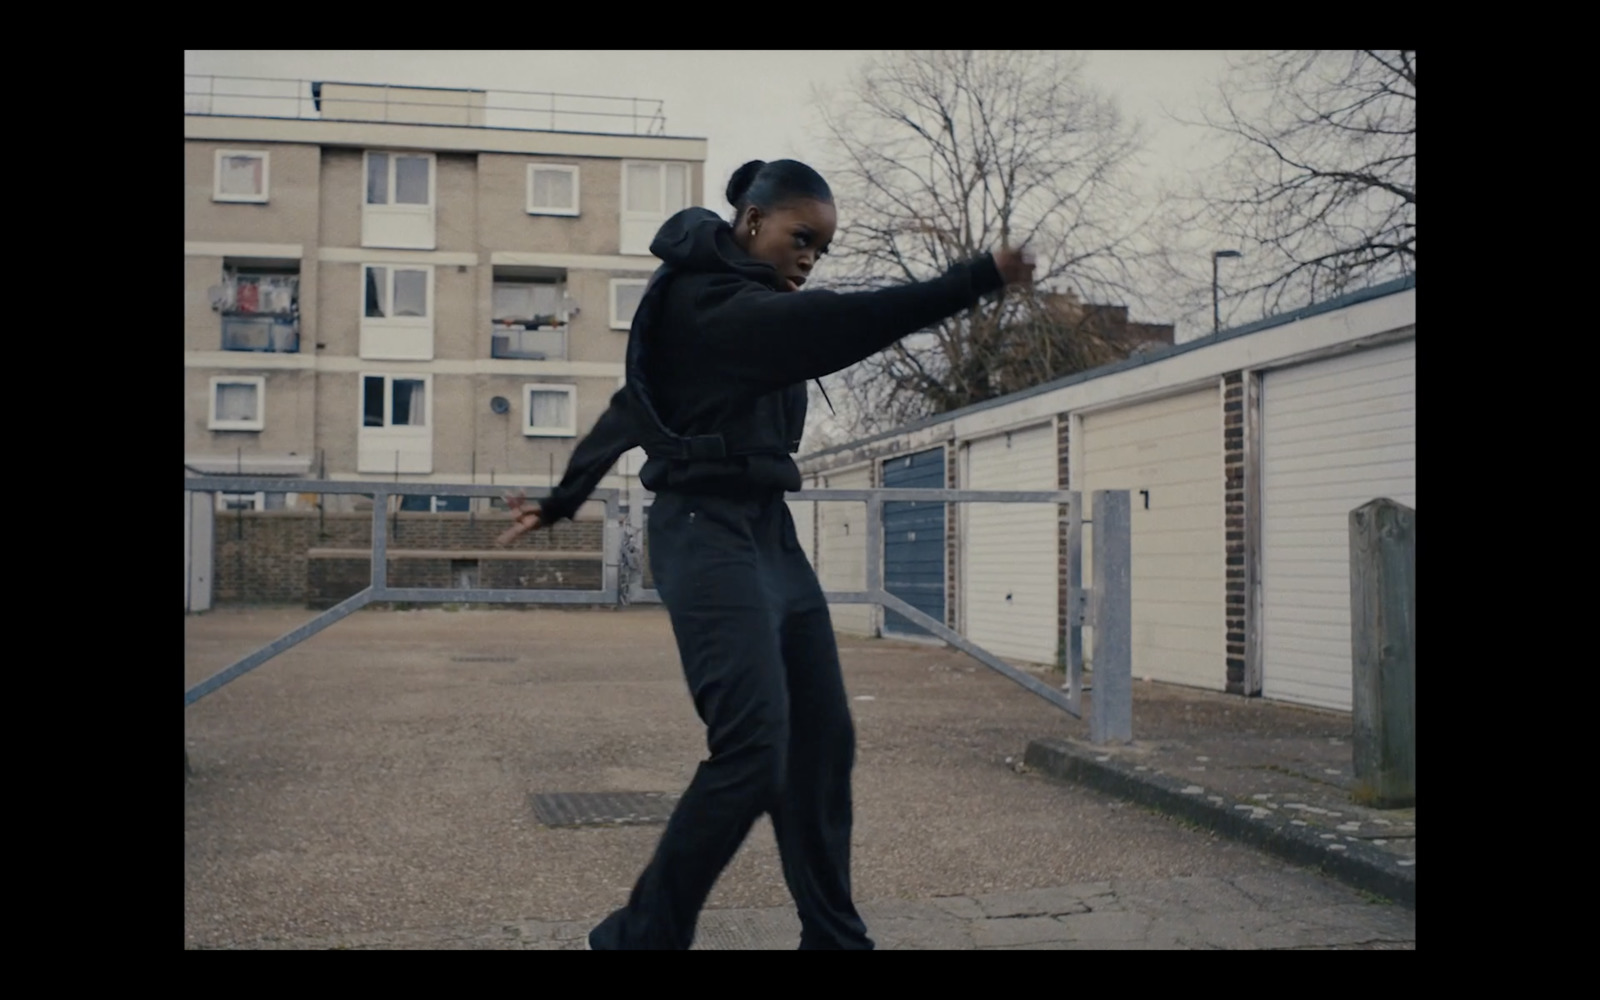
(717, 349)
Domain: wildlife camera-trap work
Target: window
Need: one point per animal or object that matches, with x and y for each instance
(659, 189)
(397, 312)
(552, 190)
(396, 292)
(241, 501)
(551, 410)
(626, 293)
(396, 418)
(241, 176)
(435, 505)
(398, 205)
(530, 320)
(399, 179)
(394, 401)
(651, 194)
(255, 501)
(238, 403)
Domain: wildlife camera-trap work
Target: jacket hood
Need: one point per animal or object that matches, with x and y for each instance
(699, 240)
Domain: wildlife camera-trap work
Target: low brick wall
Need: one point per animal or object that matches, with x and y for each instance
(333, 575)
(264, 557)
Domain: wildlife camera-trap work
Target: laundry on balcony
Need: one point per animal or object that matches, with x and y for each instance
(251, 294)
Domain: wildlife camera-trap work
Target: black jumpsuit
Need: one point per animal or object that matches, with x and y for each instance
(718, 359)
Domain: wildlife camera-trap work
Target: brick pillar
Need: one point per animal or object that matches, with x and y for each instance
(1233, 486)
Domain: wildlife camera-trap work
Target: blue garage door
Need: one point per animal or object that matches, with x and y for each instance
(913, 541)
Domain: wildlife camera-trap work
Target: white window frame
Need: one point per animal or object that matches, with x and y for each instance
(616, 323)
(260, 421)
(248, 199)
(396, 338)
(433, 179)
(546, 209)
(662, 165)
(258, 501)
(630, 219)
(391, 224)
(426, 378)
(528, 430)
(426, 317)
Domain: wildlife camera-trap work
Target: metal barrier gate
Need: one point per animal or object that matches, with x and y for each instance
(1105, 606)
(379, 589)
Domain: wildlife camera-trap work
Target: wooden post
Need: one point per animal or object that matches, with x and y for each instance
(1383, 606)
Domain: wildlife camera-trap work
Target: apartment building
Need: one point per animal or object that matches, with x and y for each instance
(413, 284)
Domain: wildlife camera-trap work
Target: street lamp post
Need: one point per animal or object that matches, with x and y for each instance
(1216, 309)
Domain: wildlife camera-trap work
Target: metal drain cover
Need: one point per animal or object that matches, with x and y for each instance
(483, 659)
(603, 808)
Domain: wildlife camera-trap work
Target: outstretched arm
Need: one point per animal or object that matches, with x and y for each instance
(778, 338)
(591, 460)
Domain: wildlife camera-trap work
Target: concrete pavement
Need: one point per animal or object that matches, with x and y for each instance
(371, 788)
(1281, 911)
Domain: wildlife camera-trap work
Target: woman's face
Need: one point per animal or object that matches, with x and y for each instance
(791, 237)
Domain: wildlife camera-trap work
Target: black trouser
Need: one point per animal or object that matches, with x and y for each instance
(759, 655)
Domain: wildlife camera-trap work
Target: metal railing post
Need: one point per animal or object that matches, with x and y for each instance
(874, 544)
(1111, 711)
(611, 551)
(380, 543)
(1077, 604)
(875, 552)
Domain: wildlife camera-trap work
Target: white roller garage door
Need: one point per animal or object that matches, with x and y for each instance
(1335, 434)
(842, 548)
(1011, 574)
(1171, 448)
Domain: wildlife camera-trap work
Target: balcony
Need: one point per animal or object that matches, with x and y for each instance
(529, 343)
(260, 310)
(268, 334)
(272, 97)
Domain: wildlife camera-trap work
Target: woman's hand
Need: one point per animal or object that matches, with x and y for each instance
(528, 517)
(1015, 266)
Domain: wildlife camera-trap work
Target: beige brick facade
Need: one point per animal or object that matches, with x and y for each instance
(315, 223)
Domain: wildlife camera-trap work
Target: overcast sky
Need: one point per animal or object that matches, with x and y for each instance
(748, 105)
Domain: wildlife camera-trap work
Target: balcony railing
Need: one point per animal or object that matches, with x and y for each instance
(543, 343)
(271, 97)
(271, 334)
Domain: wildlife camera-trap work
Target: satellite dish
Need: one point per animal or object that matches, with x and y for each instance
(500, 404)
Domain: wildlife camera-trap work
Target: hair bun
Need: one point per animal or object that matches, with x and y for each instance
(741, 180)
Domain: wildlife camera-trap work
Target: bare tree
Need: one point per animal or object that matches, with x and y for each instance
(940, 156)
(1317, 180)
